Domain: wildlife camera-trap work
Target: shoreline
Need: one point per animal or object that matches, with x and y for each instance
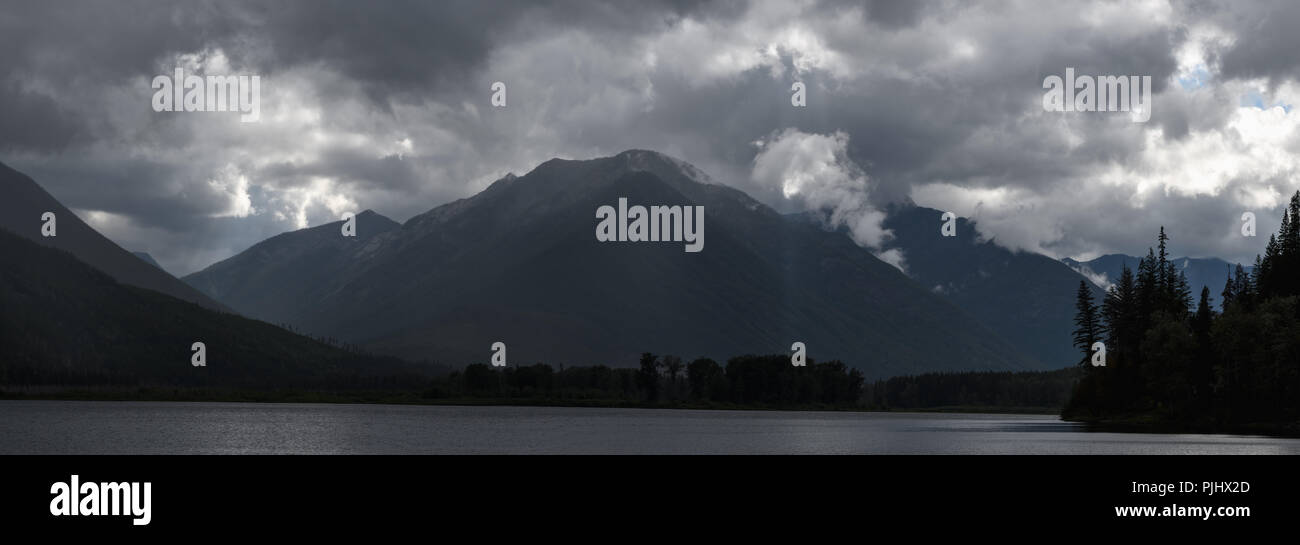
(415, 398)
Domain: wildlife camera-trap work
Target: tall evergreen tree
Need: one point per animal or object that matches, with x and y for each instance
(1182, 295)
(1164, 269)
(1087, 323)
(1288, 249)
(1264, 281)
(1204, 317)
(1201, 377)
(1243, 288)
(1118, 312)
(1148, 290)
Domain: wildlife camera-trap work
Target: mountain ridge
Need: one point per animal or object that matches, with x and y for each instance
(20, 213)
(67, 323)
(519, 262)
(1027, 298)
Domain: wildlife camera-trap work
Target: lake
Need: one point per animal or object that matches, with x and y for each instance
(113, 427)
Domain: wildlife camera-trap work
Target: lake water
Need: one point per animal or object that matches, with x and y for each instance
(110, 427)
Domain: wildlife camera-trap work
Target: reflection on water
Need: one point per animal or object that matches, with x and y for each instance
(72, 427)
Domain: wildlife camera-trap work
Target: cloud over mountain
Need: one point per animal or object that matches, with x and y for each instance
(387, 107)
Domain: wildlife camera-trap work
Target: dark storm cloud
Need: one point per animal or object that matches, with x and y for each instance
(396, 49)
(886, 13)
(385, 106)
(33, 121)
(1268, 40)
(401, 50)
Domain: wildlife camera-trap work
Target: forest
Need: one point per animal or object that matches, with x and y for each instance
(751, 381)
(1173, 360)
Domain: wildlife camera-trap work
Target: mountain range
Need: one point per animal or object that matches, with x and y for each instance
(520, 263)
(76, 309)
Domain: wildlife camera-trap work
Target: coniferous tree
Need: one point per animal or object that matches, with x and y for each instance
(1228, 295)
(1264, 282)
(1243, 288)
(1288, 249)
(1148, 286)
(1087, 323)
(1176, 365)
(1202, 375)
(1204, 317)
(1254, 278)
(1119, 311)
(1182, 295)
(1163, 265)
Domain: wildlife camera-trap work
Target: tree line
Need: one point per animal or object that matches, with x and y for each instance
(997, 390)
(1167, 361)
(750, 380)
(755, 381)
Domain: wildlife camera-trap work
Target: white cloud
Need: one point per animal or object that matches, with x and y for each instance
(232, 185)
(815, 170)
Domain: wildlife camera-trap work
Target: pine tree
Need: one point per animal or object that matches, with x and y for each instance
(1204, 316)
(1285, 270)
(1087, 330)
(1291, 236)
(1118, 312)
(1182, 292)
(1264, 278)
(1148, 280)
(1254, 279)
(1201, 377)
(1164, 269)
(1243, 288)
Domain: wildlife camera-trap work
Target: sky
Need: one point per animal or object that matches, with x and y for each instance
(387, 106)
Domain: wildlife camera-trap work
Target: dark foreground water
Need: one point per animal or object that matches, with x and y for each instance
(111, 427)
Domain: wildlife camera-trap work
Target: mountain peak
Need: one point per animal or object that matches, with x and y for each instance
(651, 161)
(640, 155)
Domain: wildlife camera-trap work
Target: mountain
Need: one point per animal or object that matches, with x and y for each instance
(67, 323)
(1210, 272)
(1026, 298)
(519, 263)
(294, 265)
(144, 256)
(21, 212)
